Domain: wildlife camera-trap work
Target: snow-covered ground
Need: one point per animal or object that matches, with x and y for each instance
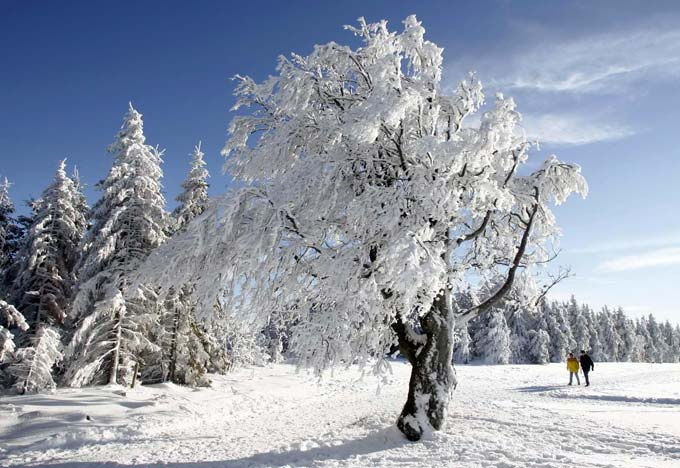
(502, 416)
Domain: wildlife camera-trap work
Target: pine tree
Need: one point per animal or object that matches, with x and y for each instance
(656, 349)
(609, 337)
(644, 346)
(32, 365)
(625, 329)
(555, 326)
(10, 318)
(594, 344)
(43, 285)
(461, 351)
(129, 221)
(10, 235)
(194, 197)
(185, 352)
(493, 340)
(519, 323)
(106, 346)
(539, 346)
(580, 326)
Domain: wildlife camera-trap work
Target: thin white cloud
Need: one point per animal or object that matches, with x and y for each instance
(655, 258)
(664, 240)
(571, 129)
(602, 63)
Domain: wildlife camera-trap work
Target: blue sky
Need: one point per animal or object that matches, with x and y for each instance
(597, 83)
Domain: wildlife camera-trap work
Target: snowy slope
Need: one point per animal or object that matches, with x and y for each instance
(503, 416)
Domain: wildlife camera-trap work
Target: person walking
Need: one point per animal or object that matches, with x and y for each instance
(586, 365)
(572, 367)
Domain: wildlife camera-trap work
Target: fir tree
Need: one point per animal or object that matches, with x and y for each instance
(493, 340)
(609, 337)
(129, 221)
(194, 197)
(32, 366)
(10, 235)
(461, 351)
(625, 329)
(10, 318)
(44, 282)
(539, 344)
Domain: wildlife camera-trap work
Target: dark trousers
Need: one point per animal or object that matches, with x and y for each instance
(585, 374)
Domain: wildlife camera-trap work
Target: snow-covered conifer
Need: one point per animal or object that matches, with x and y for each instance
(609, 338)
(493, 340)
(656, 345)
(32, 365)
(539, 346)
(129, 221)
(555, 326)
(10, 234)
(461, 350)
(580, 325)
(370, 203)
(44, 282)
(194, 197)
(625, 329)
(106, 346)
(184, 347)
(10, 318)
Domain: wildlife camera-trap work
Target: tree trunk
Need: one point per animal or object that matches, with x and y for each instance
(432, 376)
(113, 373)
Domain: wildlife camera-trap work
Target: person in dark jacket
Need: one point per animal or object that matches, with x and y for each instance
(586, 365)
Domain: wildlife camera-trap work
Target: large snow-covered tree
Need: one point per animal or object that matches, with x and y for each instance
(45, 279)
(193, 200)
(129, 221)
(370, 202)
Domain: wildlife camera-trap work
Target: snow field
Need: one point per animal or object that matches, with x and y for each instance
(502, 416)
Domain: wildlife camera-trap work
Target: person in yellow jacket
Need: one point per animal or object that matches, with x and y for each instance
(572, 367)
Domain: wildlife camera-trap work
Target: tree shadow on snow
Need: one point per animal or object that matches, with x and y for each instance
(538, 388)
(374, 442)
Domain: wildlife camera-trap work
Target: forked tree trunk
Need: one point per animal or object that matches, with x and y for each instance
(432, 376)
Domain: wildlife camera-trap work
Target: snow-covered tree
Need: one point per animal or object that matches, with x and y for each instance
(10, 234)
(184, 348)
(106, 346)
(656, 344)
(370, 204)
(461, 350)
(594, 342)
(44, 282)
(609, 338)
(194, 197)
(557, 329)
(10, 318)
(579, 325)
(539, 346)
(520, 321)
(129, 221)
(625, 329)
(32, 365)
(492, 342)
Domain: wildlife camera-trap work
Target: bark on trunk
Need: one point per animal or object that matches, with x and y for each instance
(432, 376)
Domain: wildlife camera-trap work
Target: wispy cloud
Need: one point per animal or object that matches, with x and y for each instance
(571, 129)
(598, 63)
(654, 258)
(662, 240)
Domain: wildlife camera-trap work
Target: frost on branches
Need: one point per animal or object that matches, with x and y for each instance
(129, 221)
(369, 206)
